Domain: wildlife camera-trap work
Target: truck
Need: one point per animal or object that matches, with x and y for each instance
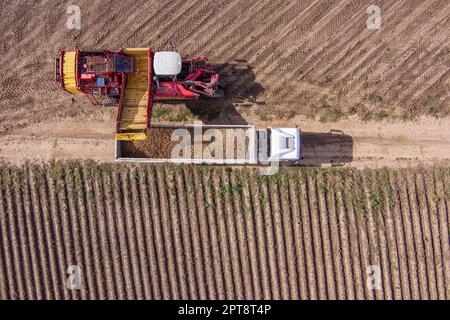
(243, 145)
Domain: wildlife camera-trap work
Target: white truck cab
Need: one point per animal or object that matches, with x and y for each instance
(284, 144)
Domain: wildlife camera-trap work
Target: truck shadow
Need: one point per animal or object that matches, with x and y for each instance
(240, 87)
(334, 147)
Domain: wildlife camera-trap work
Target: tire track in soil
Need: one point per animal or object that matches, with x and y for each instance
(187, 249)
(119, 212)
(329, 257)
(177, 282)
(317, 243)
(153, 278)
(354, 236)
(425, 220)
(130, 229)
(158, 233)
(240, 218)
(344, 237)
(195, 213)
(261, 241)
(204, 179)
(331, 209)
(310, 254)
(428, 187)
(181, 249)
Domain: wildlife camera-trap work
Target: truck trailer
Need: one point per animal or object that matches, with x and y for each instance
(213, 144)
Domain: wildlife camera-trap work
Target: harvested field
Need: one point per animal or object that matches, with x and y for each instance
(182, 143)
(278, 58)
(169, 232)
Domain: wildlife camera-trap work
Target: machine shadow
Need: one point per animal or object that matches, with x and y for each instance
(334, 147)
(239, 84)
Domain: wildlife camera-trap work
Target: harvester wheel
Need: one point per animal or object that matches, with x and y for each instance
(219, 93)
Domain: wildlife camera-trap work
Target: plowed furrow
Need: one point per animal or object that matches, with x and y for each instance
(206, 183)
(221, 216)
(199, 234)
(170, 237)
(129, 202)
(138, 208)
(331, 206)
(267, 211)
(260, 239)
(181, 226)
(330, 257)
(442, 184)
(427, 236)
(105, 241)
(359, 268)
(241, 217)
(343, 225)
(299, 274)
(373, 212)
(112, 234)
(153, 287)
(158, 234)
(309, 243)
(125, 252)
(55, 186)
(319, 257)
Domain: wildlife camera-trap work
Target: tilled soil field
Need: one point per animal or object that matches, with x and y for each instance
(278, 58)
(170, 232)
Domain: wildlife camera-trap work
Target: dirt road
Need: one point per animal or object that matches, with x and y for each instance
(352, 143)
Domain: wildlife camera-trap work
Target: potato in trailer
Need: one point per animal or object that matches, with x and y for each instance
(213, 144)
